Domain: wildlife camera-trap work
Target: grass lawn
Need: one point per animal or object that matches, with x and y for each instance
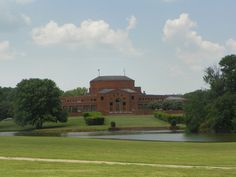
(39, 169)
(175, 153)
(78, 124)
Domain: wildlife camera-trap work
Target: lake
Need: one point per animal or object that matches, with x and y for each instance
(139, 135)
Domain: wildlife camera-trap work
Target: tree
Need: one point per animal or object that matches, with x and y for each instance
(218, 112)
(172, 105)
(221, 110)
(155, 105)
(195, 109)
(223, 78)
(6, 102)
(37, 101)
(228, 68)
(222, 113)
(76, 92)
(166, 105)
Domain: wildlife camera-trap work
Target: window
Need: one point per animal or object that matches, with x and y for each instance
(132, 97)
(111, 106)
(102, 98)
(124, 106)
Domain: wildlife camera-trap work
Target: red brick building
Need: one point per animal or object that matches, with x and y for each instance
(111, 95)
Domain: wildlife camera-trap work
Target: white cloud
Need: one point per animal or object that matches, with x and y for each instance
(132, 22)
(190, 47)
(5, 52)
(89, 33)
(231, 45)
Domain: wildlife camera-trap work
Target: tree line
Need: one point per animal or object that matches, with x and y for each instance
(166, 105)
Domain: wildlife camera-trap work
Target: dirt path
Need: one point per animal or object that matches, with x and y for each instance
(114, 163)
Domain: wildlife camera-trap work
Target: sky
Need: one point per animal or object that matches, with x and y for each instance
(164, 45)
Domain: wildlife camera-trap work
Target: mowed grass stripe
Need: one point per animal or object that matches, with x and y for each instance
(112, 163)
(179, 153)
(10, 168)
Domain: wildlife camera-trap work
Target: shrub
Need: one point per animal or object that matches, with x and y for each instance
(95, 121)
(113, 124)
(93, 118)
(173, 122)
(86, 114)
(171, 118)
(92, 114)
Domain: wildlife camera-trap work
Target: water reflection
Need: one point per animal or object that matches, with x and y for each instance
(157, 136)
(141, 135)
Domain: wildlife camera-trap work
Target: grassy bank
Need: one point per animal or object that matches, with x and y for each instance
(78, 124)
(210, 154)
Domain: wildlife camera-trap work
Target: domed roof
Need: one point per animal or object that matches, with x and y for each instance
(111, 78)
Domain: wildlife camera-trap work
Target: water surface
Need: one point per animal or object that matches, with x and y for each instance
(138, 135)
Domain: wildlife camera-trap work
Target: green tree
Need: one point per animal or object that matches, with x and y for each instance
(166, 105)
(195, 109)
(216, 111)
(76, 92)
(172, 105)
(155, 105)
(37, 101)
(6, 102)
(228, 68)
(221, 110)
(222, 113)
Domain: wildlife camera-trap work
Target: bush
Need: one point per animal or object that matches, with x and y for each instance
(95, 121)
(92, 114)
(86, 114)
(171, 118)
(173, 122)
(94, 118)
(113, 124)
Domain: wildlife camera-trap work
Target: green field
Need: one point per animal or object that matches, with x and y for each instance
(78, 124)
(174, 153)
(40, 169)
(146, 152)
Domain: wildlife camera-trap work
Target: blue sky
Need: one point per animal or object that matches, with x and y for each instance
(164, 45)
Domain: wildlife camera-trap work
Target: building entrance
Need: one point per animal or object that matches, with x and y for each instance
(118, 106)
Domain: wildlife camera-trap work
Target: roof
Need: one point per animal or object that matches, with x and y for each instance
(176, 98)
(105, 90)
(129, 90)
(111, 78)
(110, 90)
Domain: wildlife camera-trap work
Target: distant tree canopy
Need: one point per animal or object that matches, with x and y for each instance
(37, 101)
(6, 102)
(76, 92)
(167, 105)
(214, 110)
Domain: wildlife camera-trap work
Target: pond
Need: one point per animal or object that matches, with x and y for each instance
(139, 135)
